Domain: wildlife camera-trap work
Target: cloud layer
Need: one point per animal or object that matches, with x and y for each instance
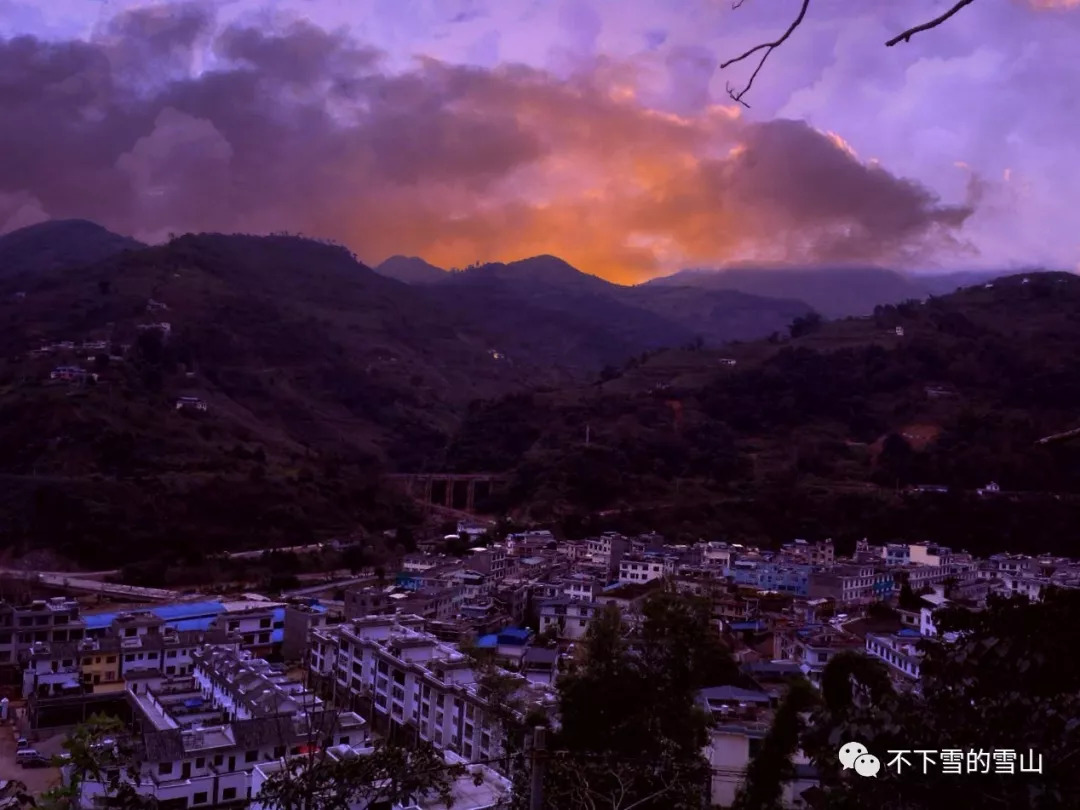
(167, 122)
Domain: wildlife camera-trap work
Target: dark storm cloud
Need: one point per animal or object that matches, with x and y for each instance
(165, 123)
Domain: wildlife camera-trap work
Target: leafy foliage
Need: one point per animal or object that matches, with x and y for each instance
(632, 732)
(1000, 685)
(102, 754)
(390, 773)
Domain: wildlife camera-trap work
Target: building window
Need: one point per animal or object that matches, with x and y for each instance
(228, 794)
(165, 768)
(199, 798)
(200, 762)
(251, 756)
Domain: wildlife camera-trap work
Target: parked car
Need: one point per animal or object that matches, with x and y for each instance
(36, 762)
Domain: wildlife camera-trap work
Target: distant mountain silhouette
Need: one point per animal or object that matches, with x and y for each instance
(59, 243)
(410, 270)
(833, 291)
(558, 302)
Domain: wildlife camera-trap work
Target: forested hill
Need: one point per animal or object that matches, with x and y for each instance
(822, 433)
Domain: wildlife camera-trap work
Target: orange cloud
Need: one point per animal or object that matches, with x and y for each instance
(303, 130)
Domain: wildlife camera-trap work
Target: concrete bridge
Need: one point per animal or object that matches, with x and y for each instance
(452, 491)
(75, 582)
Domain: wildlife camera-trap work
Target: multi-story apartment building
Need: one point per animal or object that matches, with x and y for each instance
(918, 576)
(407, 677)
(581, 586)
(366, 601)
(607, 551)
(812, 647)
(526, 544)
(193, 756)
(89, 665)
(300, 620)
(245, 687)
(929, 554)
(770, 576)
(740, 720)
(48, 621)
(260, 624)
(850, 584)
(717, 555)
(492, 561)
(568, 618)
(898, 651)
(574, 550)
(638, 568)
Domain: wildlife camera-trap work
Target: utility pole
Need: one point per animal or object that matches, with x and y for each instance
(536, 786)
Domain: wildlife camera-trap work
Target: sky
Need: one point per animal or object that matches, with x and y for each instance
(600, 131)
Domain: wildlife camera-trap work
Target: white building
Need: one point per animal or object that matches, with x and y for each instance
(409, 677)
(569, 618)
(636, 569)
(192, 754)
(741, 719)
(245, 687)
(898, 651)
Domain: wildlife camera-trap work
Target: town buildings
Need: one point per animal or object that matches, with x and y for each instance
(201, 736)
(218, 716)
(406, 677)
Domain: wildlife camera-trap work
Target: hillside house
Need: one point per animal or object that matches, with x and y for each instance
(164, 328)
(71, 374)
(190, 403)
(899, 331)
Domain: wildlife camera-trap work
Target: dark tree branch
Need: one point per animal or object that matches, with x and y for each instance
(767, 47)
(926, 26)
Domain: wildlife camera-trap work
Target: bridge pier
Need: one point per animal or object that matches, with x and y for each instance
(452, 491)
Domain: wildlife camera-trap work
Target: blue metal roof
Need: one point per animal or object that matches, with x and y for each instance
(188, 610)
(95, 621)
(277, 636)
(908, 632)
(485, 642)
(514, 635)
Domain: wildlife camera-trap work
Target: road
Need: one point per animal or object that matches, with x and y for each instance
(330, 586)
(311, 548)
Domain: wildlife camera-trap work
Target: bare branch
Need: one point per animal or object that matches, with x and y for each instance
(768, 48)
(926, 26)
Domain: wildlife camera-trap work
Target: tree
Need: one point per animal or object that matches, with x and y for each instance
(805, 325)
(772, 767)
(102, 755)
(765, 49)
(632, 730)
(390, 773)
(997, 685)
